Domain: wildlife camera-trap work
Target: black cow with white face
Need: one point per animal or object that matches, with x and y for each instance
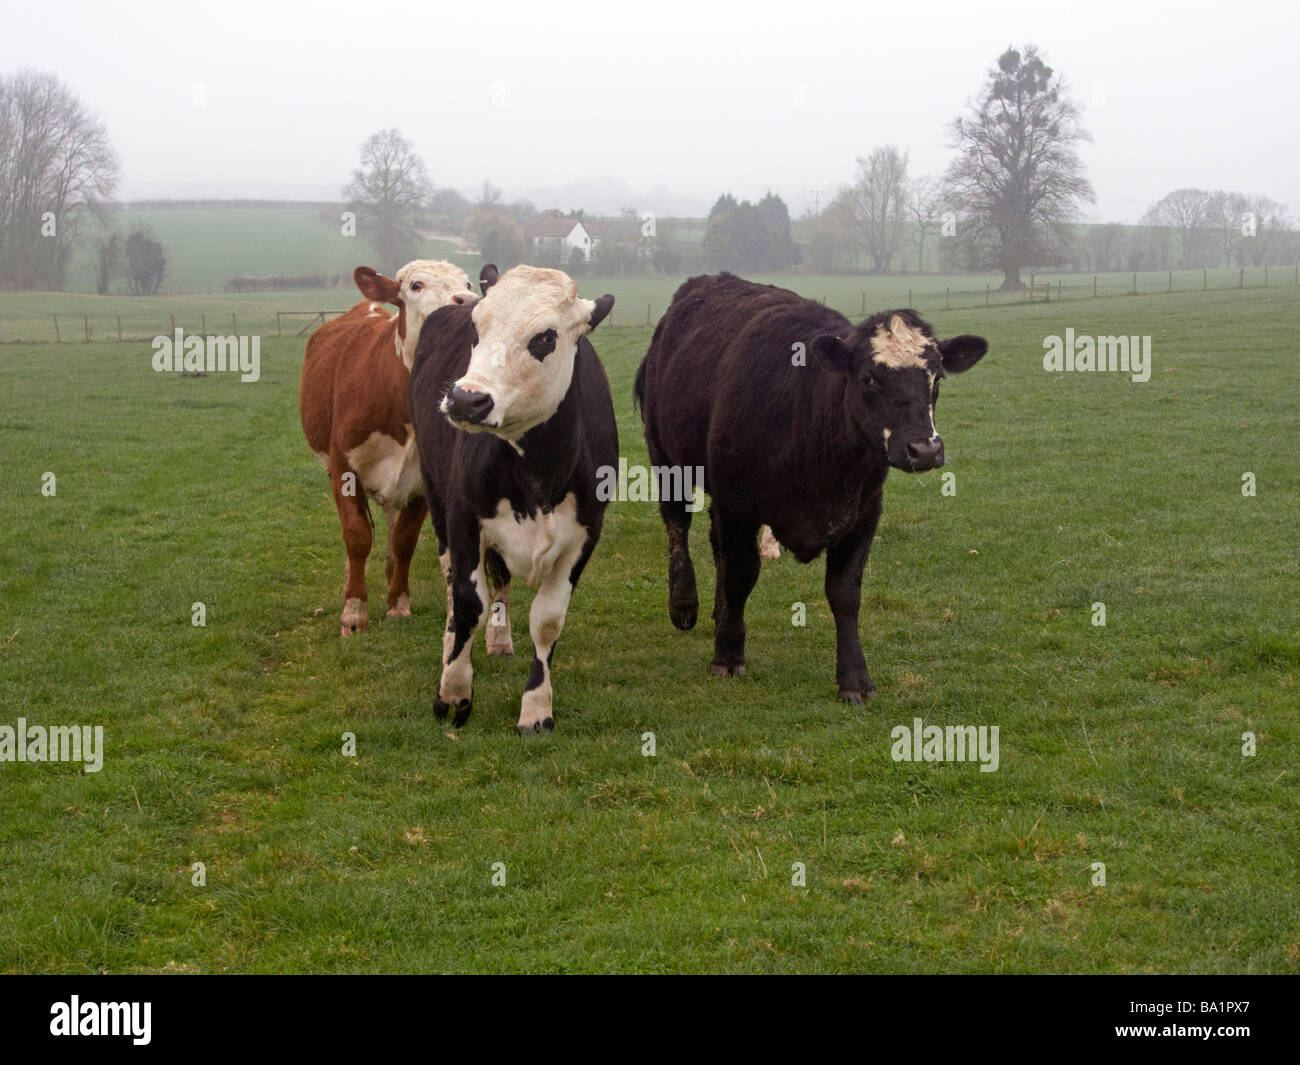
(513, 417)
(796, 415)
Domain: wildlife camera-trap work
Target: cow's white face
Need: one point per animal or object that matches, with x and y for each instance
(526, 329)
(426, 285)
(421, 287)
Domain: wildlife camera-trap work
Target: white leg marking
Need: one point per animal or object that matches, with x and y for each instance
(545, 622)
(769, 548)
(498, 626)
(457, 683)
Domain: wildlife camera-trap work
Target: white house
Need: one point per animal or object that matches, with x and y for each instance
(552, 235)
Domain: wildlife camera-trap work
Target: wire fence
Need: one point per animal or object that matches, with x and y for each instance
(847, 294)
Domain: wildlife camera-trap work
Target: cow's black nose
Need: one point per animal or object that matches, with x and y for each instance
(467, 406)
(926, 455)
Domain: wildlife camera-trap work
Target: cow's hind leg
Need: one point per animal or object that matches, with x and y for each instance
(683, 598)
(844, 565)
(469, 598)
(545, 622)
(403, 534)
(735, 553)
(498, 624)
(358, 535)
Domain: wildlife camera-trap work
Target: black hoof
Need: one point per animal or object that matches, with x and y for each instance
(440, 708)
(537, 728)
(462, 712)
(684, 615)
(855, 697)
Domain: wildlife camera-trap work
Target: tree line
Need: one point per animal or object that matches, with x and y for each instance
(1009, 200)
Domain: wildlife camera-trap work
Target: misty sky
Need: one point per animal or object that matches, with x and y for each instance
(662, 105)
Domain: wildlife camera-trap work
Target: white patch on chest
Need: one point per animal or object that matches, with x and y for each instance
(388, 470)
(534, 545)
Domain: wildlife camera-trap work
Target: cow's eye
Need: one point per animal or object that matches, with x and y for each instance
(469, 286)
(416, 286)
(542, 344)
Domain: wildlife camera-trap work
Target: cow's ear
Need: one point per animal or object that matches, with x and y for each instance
(960, 353)
(833, 353)
(375, 286)
(603, 306)
(487, 277)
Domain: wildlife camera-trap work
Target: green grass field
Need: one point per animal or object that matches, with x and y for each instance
(1119, 745)
(205, 245)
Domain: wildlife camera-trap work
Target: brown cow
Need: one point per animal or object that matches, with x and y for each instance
(353, 404)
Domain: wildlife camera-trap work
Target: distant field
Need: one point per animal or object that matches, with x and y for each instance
(26, 316)
(205, 245)
(1120, 745)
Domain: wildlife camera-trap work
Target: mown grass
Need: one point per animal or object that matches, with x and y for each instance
(1120, 744)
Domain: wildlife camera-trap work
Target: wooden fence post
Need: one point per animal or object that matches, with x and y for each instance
(946, 293)
(1094, 286)
(1266, 277)
(173, 318)
(1204, 285)
(986, 295)
(864, 303)
(57, 339)
(1241, 278)
(909, 297)
(277, 325)
(86, 319)
(1059, 283)
(1171, 281)
(204, 316)
(1135, 283)
(119, 329)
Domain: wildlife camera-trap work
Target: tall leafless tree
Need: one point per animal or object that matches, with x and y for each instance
(924, 203)
(390, 193)
(1185, 213)
(57, 173)
(873, 207)
(1018, 178)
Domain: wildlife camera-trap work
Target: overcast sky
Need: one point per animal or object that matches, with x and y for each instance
(661, 104)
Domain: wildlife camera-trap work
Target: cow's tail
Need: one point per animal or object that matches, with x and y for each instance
(638, 390)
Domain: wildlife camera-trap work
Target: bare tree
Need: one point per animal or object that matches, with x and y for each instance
(1225, 215)
(1272, 232)
(57, 172)
(1184, 212)
(924, 204)
(390, 193)
(1018, 177)
(873, 206)
(1105, 244)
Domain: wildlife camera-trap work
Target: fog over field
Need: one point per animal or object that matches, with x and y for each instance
(663, 106)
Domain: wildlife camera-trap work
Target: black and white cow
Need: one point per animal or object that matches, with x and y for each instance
(796, 414)
(513, 417)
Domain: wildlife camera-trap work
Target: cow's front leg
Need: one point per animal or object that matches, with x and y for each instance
(497, 635)
(844, 564)
(469, 598)
(403, 534)
(545, 621)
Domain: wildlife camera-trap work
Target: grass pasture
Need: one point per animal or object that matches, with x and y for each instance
(1119, 745)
